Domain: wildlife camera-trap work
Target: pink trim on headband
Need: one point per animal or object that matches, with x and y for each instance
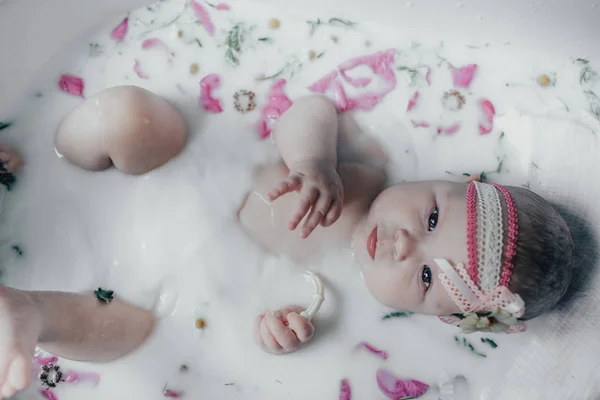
(472, 232)
(513, 229)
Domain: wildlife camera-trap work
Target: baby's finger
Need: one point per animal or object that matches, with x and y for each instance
(317, 213)
(284, 336)
(307, 198)
(268, 338)
(334, 213)
(303, 329)
(291, 184)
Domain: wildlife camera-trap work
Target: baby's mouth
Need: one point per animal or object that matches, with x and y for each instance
(372, 243)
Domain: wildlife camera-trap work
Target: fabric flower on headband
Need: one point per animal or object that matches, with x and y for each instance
(497, 321)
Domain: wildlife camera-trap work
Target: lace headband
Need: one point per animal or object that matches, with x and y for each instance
(481, 289)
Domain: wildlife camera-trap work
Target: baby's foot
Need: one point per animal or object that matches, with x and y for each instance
(20, 328)
(10, 160)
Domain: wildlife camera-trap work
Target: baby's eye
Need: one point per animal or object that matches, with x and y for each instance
(433, 219)
(426, 276)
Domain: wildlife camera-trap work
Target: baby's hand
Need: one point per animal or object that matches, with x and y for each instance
(321, 195)
(11, 161)
(283, 331)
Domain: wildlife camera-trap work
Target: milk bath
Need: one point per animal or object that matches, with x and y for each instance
(170, 240)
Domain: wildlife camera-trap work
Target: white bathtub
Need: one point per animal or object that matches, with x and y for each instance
(32, 31)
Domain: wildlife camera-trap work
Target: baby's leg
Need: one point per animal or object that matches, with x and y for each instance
(74, 326)
(125, 126)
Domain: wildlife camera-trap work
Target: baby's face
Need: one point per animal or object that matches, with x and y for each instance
(407, 227)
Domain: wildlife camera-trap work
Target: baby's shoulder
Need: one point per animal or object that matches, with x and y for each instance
(362, 183)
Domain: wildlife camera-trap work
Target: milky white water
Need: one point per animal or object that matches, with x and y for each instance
(170, 240)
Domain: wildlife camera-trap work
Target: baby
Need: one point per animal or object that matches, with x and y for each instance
(480, 256)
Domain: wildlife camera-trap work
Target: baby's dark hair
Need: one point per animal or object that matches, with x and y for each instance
(544, 258)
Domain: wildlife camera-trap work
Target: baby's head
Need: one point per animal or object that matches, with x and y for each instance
(416, 254)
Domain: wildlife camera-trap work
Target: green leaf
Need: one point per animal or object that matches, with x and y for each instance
(198, 42)
(499, 168)
(5, 125)
(234, 42)
(275, 75)
(105, 296)
(483, 177)
(467, 345)
(17, 249)
(397, 314)
(264, 39)
(501, 134)
(465, 174)
(341, 21)
(7, 179)
(492, 344)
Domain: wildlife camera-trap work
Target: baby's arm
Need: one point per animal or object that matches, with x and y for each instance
(74, 326)
(80, 327)
(307, 132)
(306, 137)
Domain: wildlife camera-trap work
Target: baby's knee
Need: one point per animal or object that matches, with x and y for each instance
(152, 133)
(127, 126)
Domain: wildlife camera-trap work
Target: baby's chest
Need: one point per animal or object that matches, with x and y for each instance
(267, 223)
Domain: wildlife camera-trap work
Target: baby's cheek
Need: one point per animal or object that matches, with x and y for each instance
(387, 289)
(444, 305)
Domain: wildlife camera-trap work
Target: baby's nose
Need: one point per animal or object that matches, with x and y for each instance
(404, 244)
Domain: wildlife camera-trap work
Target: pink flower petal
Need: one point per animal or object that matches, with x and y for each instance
(137, 68)
(120, 31)
(223, 7)
(203, 17)
(277, 97)
(420, 124)
(277, 104)
(48, 394)
(462, 77)
(263, 129)
(42, 361)
(488, 109)
(76, 377)
(345, 391)
(71, 84)
(428, 76)
(357, 83)
(155, 43)
(413, 101)
(324, 83)
(172, 394)
(380, 353)
(449, 130)
(207, 101)
(398, 389)
(487, 122)
(381, 64)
